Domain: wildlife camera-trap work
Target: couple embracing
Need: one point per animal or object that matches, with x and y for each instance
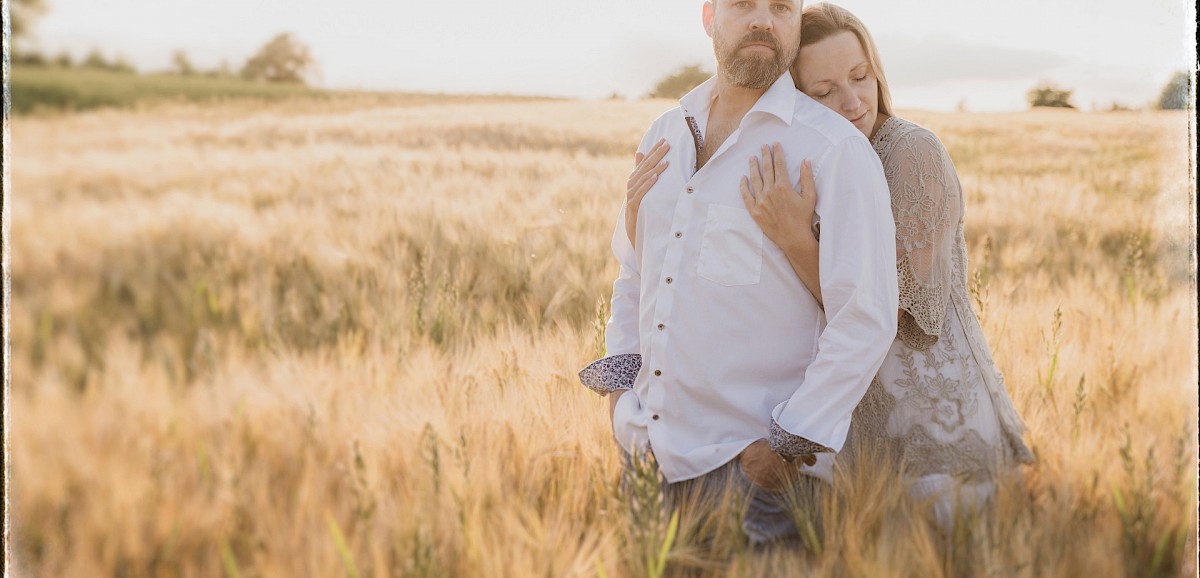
(792, 291)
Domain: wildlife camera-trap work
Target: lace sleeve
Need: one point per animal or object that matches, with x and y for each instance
(926, 203)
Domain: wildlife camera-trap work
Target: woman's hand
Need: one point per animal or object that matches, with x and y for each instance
(645, 174)
(785, 212)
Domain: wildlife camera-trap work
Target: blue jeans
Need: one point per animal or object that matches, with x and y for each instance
(765, 516)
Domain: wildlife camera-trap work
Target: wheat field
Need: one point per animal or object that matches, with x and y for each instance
(339, 338)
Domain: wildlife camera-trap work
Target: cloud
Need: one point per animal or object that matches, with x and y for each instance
(932, 60)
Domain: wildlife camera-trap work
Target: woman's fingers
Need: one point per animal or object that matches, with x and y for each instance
(654, 156)
(756, 176)
(644, 183)
(639, 187)
(660, 150)
(768, 167)
(637, 159)
(781, 170)
(649, 162)
(806, 185)
(747, 195)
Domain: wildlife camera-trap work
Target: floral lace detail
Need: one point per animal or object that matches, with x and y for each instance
(611, 373)
(938, 404)
(917, 452)
(791, 445)
(911, 333)
(927, 207)
(924, 305)
(944, 400)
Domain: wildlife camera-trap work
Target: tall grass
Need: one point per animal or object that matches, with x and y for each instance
(334, 339)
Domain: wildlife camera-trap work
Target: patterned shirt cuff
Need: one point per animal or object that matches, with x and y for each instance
(611, 373)
(791, 445)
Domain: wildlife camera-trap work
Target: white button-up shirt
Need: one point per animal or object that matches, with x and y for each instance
(729, 336)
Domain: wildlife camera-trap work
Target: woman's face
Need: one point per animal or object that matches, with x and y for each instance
(835, 71)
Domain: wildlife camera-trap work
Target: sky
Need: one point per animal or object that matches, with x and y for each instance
(938, 54)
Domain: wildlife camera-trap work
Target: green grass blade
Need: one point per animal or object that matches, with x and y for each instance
(231, 567)
(343, 549)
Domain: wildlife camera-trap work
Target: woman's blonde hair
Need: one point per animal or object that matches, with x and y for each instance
(820, 21)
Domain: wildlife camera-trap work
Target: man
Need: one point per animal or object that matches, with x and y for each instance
(720, 359)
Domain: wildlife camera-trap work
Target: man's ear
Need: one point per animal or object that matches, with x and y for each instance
(707, 17)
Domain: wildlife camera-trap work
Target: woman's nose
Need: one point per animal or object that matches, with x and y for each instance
(850, 101)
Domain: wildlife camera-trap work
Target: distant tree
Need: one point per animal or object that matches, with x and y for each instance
(181, 64)
(27, 57)
(1049, 95)
(678, 84)
(222, 70)
(64, 60)
(21, 14)
(282, 59)
(95, 59)
(1175, 94)
(121, 65)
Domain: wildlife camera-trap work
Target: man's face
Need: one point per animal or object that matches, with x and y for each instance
(754, 40)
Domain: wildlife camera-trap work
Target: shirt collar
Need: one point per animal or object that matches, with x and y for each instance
(778, 100)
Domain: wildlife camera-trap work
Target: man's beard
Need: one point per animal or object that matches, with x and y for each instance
(753, 71)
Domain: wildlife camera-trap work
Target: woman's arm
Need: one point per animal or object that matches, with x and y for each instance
(785, 212)
(927, 207)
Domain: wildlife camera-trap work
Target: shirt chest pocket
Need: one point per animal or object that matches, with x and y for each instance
(731, 249)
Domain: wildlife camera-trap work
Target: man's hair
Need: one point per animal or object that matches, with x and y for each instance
(820, 21)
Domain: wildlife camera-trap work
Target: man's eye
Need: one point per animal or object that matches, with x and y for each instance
(783, 8)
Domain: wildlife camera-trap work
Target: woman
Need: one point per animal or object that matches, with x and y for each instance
(938, 406)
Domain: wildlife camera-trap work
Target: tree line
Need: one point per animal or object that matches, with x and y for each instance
(1174, 95)
(283, 59)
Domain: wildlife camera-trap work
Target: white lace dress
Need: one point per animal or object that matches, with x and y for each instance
(938, 405)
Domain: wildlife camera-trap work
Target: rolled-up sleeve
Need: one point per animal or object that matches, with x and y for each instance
(858, 282)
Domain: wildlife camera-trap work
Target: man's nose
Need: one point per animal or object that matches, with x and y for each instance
(761, 19)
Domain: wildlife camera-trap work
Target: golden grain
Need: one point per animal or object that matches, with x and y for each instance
(241, 333)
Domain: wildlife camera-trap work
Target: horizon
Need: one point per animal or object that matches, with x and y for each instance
(624, 49)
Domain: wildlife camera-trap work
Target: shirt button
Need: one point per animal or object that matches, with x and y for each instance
(689, 189)
(657, 372)
(661, 326)
(654, 417)
(678, 234)
(669, 280)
